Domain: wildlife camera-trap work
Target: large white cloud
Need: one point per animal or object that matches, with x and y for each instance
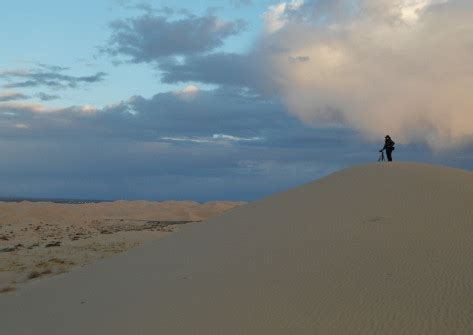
(402, 67)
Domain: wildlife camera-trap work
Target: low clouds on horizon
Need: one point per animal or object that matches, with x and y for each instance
(186, 144)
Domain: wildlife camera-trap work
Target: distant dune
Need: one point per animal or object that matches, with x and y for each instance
(139, 210)
(376, 249)
(39, 239)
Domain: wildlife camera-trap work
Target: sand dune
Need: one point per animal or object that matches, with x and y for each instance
(40, 239)
(377, 249)
(26, 212)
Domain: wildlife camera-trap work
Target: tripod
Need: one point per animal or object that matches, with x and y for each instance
(381, 157)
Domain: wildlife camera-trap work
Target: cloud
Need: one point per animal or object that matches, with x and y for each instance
(149, 8)
(231, 138)
(390, 66)
(47, 97)
(188, 93)
(222, 115)
(242, 146)
(21, 126)
(110, 170)
(149, 38)
(26, 108)
(276, 17)
(216, 68)
(194, 113)
(215, 138)
(299, 59)
(11, 96)
(240, 3)
(15, 107)
(401, 67)
(39, 121)
(50, 76)
(186, 139)
(249, 71)
(52, 68)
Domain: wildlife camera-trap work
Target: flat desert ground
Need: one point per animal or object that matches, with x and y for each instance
(42, 239)
(375, 249)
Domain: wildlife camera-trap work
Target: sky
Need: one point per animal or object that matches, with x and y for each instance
(226, 100)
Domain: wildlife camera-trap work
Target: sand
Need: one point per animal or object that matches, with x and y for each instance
(42, 239)
(376, 249)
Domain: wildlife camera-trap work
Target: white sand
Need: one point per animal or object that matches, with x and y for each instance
(378, 249)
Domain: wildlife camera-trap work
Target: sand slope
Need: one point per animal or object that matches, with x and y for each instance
(40, 239)
(377, 249)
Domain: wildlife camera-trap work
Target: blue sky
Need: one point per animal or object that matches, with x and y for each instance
(234, 100)
(70, 34)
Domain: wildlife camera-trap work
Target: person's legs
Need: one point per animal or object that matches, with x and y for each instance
(388, 153)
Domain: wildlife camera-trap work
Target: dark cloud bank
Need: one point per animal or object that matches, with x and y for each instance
(129, 150)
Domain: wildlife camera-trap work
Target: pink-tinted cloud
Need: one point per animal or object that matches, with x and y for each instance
(383, 66)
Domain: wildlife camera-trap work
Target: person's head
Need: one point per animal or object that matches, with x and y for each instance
(387, 137)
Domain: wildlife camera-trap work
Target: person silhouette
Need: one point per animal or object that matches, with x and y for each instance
(389, 147)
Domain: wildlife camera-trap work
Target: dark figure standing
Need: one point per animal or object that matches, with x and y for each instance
(389, 146)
